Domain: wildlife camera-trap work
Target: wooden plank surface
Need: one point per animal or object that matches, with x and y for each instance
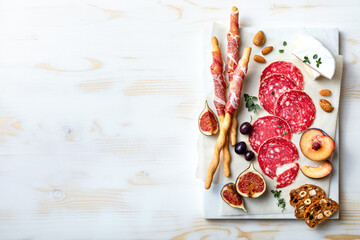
(98, 109)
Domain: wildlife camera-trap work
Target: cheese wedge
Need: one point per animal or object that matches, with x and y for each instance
(310, 47)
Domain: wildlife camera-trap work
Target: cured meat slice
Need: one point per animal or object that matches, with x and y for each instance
(274, 153)
(268, 127)
(216, 69)
(287, 177)
(271, 88)
(286, 68)
(297, 109)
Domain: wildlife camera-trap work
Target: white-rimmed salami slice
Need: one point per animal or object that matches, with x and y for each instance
(286, 68)
(274, 153)
(297, 109)
(287, 177)
(271, 88)
(268, 127)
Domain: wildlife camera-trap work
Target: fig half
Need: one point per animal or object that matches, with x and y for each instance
(250, 183)
(232, 197)
(208, 123)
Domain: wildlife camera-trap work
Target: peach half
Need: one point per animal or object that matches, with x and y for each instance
(316, 144)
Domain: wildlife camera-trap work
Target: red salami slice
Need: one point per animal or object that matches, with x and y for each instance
(287, 177)
(274, 153)
(271, 88)
(286, 68)
(297, 109)
(268, 127)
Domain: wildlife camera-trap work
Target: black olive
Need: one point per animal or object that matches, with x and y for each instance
(245, 128)
(249, 155)
(240, 148)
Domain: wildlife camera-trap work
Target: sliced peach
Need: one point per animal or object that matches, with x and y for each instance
(316, 145)
(317, 172)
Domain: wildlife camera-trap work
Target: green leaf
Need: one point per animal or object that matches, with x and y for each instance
(246, 96)
(284, 43)
(279, 126)
(306, 60)
(281, 50)
(318, 62)
(257, 106)
(315, 56)
(284, 133)
(254, 98)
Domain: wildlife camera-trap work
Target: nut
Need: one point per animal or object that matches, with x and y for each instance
(327, 213)
(320, 216)
(307, 201)
(259, 38)
(259, 59)
(312, 192)
(326, 105)
(302, 193)
(325, 92)
(267, 50)
(322, 201)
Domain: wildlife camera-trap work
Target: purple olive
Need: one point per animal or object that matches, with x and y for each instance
(245, 128)
(240, 148)
(249, 155)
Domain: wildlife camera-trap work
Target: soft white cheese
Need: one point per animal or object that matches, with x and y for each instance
(309, 46)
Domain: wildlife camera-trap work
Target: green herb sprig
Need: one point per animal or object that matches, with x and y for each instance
(306, 60)
(250, 105)
(318, 62)
(281, 201)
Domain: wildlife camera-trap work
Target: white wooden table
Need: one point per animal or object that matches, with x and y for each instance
(98, 109)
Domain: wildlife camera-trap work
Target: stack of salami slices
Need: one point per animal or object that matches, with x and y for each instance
(281, 94)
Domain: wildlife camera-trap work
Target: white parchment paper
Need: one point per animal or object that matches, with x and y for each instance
(266, 204)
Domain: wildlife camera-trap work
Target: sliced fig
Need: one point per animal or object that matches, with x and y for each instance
(208, 123)
(250, 183)
(232, 197)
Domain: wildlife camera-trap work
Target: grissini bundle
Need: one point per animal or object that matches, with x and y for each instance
(233, 57)
(220, 97)
(231, 105)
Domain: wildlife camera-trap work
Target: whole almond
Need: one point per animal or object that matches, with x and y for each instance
(267, 50)
(259, 59)
(326, 105)
(325, 92)
(259, 38)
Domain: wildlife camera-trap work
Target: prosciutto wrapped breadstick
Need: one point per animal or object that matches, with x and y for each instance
(232, 104)
(220, 97)
(233, 57)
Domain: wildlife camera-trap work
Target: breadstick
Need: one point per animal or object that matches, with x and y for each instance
(220, 96)
(231, 104)
(233, 39)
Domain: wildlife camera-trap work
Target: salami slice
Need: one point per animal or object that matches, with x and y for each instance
(286, 68)
(287, 177)
(271, 88)
(274, 153)
(297, 109)
(268, 127)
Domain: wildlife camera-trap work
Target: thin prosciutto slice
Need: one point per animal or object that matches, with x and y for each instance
(233, 41)
(235, 88)
(219, 83)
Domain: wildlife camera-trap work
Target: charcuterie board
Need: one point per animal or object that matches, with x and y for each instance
(265, 207)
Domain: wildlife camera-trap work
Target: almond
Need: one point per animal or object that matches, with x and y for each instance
(259, 38)
(267, 50)
(325, 92)
(259, 59)
(326, 105)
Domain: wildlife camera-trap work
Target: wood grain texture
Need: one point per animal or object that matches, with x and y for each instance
(98, 110)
